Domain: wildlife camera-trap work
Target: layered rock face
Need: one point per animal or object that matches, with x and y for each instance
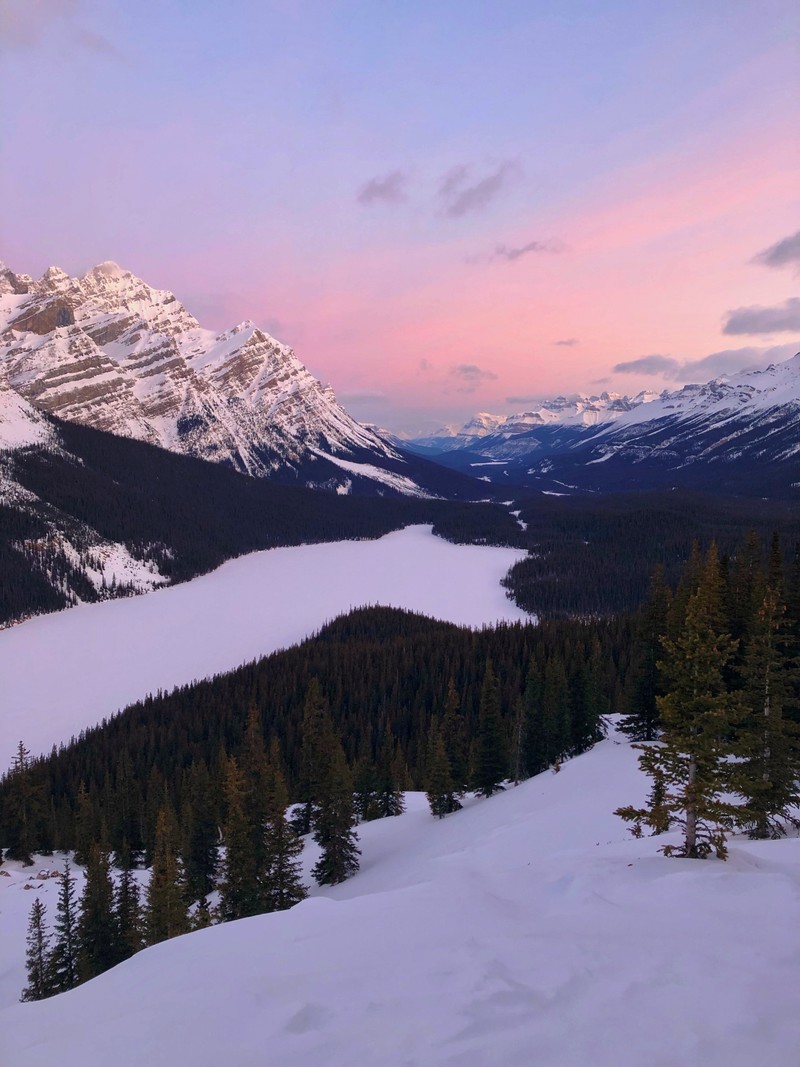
(109, 351)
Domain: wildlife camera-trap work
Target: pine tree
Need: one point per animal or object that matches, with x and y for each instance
(440, 789)
(691, 769)
(365, 791)
(98, 932)
(491, 766)
(37, 956)
(642, 721)
(84, 827)
(282, 885)
(389, 796)
(316, 731)
(769, 744)
(166, 913)
(63, 962)
(256, 784)
(200, 832)
(128, 915)
(333, 829)
(241, 890)
(454, 734)
(24, 809)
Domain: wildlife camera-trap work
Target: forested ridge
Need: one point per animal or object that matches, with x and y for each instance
(383, 700)
(185, 515)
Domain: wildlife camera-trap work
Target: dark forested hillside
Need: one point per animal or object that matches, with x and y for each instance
(383, 672)
(592, 556)
(185, 515)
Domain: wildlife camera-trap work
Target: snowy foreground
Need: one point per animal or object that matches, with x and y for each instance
(528, 929)
(64, 672)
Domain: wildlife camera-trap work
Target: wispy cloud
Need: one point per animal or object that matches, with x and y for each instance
(653, 364)
(460, 194)
(470, 376)
(714, 365)
(386, 189)
(784, 318)
(524, 400)
(785, 253)
(568, 342)
(513, 253)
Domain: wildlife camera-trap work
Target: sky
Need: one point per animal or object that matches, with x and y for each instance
(444, 206)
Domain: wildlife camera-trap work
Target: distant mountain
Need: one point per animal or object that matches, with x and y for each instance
(109, 351)
(575, 410)
(86, 515)
(739, 434)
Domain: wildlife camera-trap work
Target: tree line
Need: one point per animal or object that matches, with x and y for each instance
(716, 700)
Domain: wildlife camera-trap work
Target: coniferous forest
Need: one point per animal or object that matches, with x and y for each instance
(212, 786)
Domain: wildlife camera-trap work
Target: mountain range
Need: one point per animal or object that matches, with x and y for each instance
(737, 434)
(111, 352)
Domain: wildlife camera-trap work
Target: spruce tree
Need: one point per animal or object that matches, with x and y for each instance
(282, 885)
(491, 755)
(333, 824)
(316, 731)
(642, 720)
(241, 890)
(390, 800)
(37, 956)
(454, 735)
(63, 962)
(98, 933)
(128, 909)
(691, 768)
(24, 809)
(166, 913)
(769, 744)
(200, 832)
(440, 789)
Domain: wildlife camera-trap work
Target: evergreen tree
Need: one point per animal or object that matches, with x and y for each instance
(24, 809)
(166, 913)
(128, 910)
(769, 746)
(491, 767)
(333, 824)
(98, 932)
(440, 788)
(555, 711)
(84, 827)
(365, 791)
(691, 769)
(241, 890)
(200, 832)
(454, 734)
(37, 956)
(642, 721)
(282, 886)
(316, 731)
(256, 785)
(203, 915)
(389, 797)
(63, 962)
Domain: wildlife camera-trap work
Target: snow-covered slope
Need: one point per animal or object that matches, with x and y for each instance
(101, 657)
(526, 929)
(739, 433)
(574, 410)
(109, 351)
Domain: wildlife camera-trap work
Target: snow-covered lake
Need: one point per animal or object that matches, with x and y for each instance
(61, 673)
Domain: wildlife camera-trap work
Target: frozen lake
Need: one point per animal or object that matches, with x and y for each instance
(61, 673)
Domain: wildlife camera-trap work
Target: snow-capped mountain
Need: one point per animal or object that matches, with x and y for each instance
(739, 433)
(573, 410)
(109, 351)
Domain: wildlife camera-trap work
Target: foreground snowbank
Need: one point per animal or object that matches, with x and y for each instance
(64, 672)
(527, 929)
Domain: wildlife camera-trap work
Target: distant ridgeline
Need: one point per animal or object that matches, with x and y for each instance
(384, 700)
(181, 515)
(176, 517)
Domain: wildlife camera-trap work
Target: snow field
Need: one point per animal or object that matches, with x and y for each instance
(65, 672)
(527, 929)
